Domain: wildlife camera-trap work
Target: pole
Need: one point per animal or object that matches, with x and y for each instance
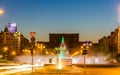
(41, 50)
(32, 46)
(57, 65)
(32, 61)
(32, 57)
(57, 61)
(84, 63)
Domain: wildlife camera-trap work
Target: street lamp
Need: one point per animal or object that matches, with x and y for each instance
(5, 49)
(86, 45)
(32, 34)
(1, 11)
(26, 51)
(13, 53)
(46, 51)
(40, 47)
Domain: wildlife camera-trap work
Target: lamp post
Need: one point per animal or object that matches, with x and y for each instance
(46, 51)
(13, 53)
(40, 48)
(5, 49)
(26, 51)
(85, 47)
(32, 34)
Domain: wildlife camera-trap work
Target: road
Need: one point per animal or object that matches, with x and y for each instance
(103, 70)
(49, 70)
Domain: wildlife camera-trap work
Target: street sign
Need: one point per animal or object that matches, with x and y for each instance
(32, 34)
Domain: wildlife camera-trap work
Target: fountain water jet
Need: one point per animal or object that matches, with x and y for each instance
(63, 57)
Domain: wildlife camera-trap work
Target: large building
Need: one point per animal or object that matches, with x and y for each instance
(71, 40)
(115, 41)
(12, 43)
(111, 43)
(104, 45)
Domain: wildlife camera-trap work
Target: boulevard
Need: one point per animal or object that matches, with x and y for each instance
(50, 70)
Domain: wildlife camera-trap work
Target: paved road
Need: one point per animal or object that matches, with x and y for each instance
(104, 70)
(67, 71)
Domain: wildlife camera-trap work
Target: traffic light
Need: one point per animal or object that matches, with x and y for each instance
(84, 52)
(88, 43)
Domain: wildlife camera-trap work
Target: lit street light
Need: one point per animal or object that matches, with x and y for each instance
(46, 51)
(13, 53)
(26, 51)
(86, 45)
(40, 47)
(5, 49)
(1, 11)
(32, 34)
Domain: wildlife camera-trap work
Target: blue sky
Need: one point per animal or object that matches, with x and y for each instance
(92, 19)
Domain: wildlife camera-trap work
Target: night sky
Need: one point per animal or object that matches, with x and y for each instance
(92, 19)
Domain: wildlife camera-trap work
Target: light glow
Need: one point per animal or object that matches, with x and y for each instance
(1, 11)
(12, 27)
(19, 68)
(59, 66)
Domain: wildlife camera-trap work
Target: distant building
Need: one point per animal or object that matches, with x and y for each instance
(111, 43)
(43, 47)
(14, 42)
(104, 45)
(115, 41)
(71, 40)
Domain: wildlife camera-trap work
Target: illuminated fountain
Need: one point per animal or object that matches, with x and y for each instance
(63, 52)
(63, 55)
(63, 62)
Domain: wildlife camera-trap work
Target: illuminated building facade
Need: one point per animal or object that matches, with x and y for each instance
(115, 41)
(14, 43)
(111, 43)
